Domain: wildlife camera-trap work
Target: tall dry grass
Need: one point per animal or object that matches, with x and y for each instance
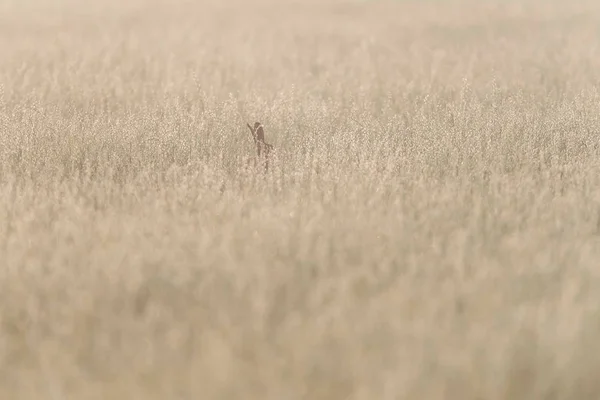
(430, 228)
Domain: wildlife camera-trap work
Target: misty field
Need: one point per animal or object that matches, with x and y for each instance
(428, 228)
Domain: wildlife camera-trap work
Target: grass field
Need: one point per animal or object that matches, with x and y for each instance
(428, 229)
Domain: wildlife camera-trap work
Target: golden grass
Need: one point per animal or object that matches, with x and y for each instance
(429, 229)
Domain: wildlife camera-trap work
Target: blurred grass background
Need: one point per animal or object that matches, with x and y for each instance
(429, 228)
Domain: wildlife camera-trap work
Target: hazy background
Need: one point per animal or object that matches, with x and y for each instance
(429, 228)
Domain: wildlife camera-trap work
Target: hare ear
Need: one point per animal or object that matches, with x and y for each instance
(252, 131)
(260, 132)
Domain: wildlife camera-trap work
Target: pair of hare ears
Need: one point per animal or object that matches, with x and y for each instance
(258, 133)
